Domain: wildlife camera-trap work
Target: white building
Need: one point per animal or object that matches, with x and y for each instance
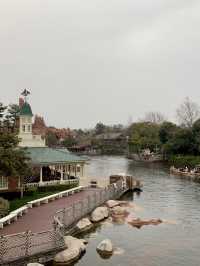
(27, 139)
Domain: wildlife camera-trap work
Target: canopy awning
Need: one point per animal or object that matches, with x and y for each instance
(48, 156)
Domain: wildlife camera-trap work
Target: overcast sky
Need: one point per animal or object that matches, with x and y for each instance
(100, 60)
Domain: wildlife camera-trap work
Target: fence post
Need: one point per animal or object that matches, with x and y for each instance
(58, 233)
(96, 197)
(94, 201)
(82, 208)
(74, 211)
(89, 205)
(27, 242)
(2, 247)
(55, 228)
(64, 222)
(101, 197)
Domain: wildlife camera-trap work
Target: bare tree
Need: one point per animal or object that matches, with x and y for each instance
(188, 112)
(154, 117)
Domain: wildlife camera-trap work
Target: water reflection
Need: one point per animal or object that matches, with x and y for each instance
(175, 201)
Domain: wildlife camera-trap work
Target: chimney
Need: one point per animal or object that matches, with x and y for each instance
(21, 102)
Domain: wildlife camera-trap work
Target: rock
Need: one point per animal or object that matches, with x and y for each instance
(139, 223)
(118, 210)
(114, 203)
(99, 214)
(84, 225)
(119, 214)
(34, 264)
(75, 248)
(118, 251)
(105, 248)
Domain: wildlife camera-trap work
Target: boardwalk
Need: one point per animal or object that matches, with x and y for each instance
(33, 235)
(40, 218)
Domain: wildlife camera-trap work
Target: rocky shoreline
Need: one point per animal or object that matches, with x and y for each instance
(116, 212)
(112, 211)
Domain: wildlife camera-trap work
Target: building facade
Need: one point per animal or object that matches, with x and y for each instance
(26, 136)
(50, 166)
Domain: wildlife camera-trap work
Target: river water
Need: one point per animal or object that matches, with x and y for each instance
(175, 242)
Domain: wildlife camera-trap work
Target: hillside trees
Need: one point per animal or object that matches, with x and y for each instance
(144, 135)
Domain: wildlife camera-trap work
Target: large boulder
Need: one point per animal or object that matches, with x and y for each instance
(105, 248)
(84, 225)
(114, 203)
(99, 214)
(75, 248)
(118, 210)
(119, 214)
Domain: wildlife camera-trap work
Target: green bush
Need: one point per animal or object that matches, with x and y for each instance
(36, 193)
(30, 191)
(184, 160)
(57, 188)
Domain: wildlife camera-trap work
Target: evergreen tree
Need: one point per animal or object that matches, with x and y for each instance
(13, 160)
(12, 116)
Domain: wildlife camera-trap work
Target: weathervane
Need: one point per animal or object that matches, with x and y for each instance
(25, 93)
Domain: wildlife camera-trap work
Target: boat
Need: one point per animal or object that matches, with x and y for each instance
(194, 173)
(132, 183)
(146, 156)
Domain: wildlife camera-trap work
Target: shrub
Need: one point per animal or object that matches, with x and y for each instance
(184, 160)
(57, 187)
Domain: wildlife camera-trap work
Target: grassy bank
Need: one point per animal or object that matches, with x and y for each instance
(36, 193)
(184, 160)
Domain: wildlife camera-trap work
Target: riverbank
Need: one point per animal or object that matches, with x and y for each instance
(169, 198)
(184, 160)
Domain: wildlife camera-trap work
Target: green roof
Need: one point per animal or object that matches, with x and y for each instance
(46, 156)
(26, 109)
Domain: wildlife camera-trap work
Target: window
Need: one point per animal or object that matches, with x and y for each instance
(29, 128)
(24, 128)
(3, 182)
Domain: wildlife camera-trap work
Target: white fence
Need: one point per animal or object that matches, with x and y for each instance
(52, 183)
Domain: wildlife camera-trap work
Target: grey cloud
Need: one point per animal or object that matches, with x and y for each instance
(94, 60)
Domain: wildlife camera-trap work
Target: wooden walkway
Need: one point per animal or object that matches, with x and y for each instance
(33, 235)
(40, 218)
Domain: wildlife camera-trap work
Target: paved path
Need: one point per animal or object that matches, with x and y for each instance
(40, 218)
